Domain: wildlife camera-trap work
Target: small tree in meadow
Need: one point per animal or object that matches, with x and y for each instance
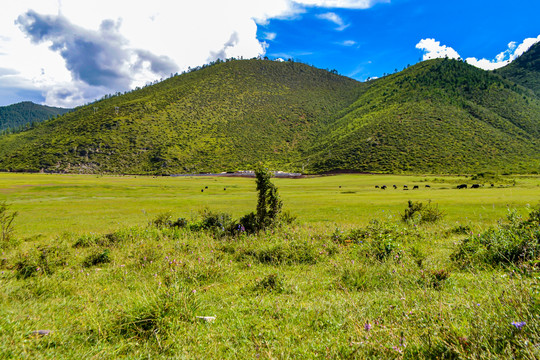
(268, 204)
(6, 224)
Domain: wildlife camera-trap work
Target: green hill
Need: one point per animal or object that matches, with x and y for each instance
(439, 116)
(223, 117)
(22, 115)
(525, 70)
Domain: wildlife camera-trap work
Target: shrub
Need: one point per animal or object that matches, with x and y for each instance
(6, 224)
(420, 213)
(270, 283)
(163, 220)
(41, 260)
(515, 242)
(158, 313)
(100, 257)
(268, 201)
(435, 278)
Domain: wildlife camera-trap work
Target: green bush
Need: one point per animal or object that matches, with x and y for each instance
(515, 242)
(99, 257)
(270, 283)
(420, 213)
(157, 313)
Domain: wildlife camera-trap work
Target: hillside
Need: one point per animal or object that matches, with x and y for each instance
(223, 117)
(525, 70)
(439, 116)
(18, 116)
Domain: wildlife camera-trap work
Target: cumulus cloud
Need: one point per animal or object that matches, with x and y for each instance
(85, 49)
(344, 4)
(335, 18)
(434, 50)
(504, 58)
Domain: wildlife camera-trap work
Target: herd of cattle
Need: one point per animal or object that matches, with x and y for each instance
(405, 187)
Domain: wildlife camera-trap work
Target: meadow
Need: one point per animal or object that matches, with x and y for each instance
(347, 279)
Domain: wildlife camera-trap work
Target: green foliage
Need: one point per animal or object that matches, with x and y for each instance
(97, 258)
(40, 260)
(516, 242)
(156, 313)
(419, 213)
(25, 115)
(233, 115)
(7, 227)
(268, 201)
(270, 283)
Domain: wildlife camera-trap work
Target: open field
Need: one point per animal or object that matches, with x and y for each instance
(53, 204)
(348, 279)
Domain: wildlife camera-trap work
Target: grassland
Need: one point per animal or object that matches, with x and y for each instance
(86, 265)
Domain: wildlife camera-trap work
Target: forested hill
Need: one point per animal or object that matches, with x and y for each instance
(223, 117)
(22, 115)
(439, 116)
(525, 70)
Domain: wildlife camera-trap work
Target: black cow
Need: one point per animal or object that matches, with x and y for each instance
(462, 186)
(428, 186)
(415, 187)
(383, 187)
(405, 187)
(376, 186)
(395, 187)
(475, 186)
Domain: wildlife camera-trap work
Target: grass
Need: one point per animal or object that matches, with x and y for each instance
(318, 288)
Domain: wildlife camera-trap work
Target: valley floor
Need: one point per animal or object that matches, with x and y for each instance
(348, 279)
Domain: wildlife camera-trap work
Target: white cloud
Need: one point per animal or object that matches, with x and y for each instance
(434, 50)
(343, 4)
(270, 36)
(335, 18)
(142, 36)
(504, 58)
(348, 43)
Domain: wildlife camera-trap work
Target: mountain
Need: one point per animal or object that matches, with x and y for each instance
(222, 117)
(525, 70)
(24, 114)
(439, 116)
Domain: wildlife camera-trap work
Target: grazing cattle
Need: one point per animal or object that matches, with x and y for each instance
(376, 186)
(202, 190)
(475, 186)
(462, 186)
(206, 187)
(492, 185)
(405, 187)
(428, 186)
(395, 187)
(340, 186)
(383, 187)
(415, 187)
(224, 189)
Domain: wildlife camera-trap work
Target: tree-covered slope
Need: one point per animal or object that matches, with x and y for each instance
(21, 115)
(223, 117)
(439, 116)
(525, 70)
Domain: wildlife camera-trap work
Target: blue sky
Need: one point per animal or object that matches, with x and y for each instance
(383, 38)
(67, 52)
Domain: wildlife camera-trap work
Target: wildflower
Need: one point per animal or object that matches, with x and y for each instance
(38, 269)
(194, 291)
(519, 324)
(367, 326)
